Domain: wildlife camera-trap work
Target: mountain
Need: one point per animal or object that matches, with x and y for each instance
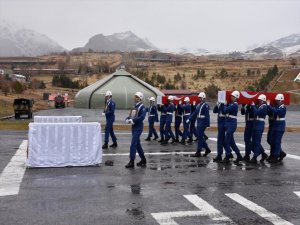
(288, 46)
(124, 42)
(19, 41)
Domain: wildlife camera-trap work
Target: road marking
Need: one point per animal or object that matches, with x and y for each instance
(205, 209)
(12, 175)
(297, 193)
(271, 217)
(243, 146)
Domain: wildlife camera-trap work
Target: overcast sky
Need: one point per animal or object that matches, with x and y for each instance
(225, 25)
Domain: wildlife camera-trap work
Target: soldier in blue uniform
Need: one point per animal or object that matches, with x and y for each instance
(186, 107)
(137, 128)
(109, 113)
(152, 117)
(178, 120)
(162, 124)
(201, 113)
(271, 117)
(169, 117)
(247, 110)
(221, 131)
(193, 131)
(231, 111)
(258, 129)
(279, 128)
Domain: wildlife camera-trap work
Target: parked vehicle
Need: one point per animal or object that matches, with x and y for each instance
(59, 101)
(23, 106)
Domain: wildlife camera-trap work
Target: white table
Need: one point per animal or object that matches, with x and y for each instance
(64, 144)
(57, 119)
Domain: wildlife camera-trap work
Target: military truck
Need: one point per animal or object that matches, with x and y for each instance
(23, 106)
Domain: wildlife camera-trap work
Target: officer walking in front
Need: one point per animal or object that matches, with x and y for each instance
(109, 113)
(260, 114)
(169, 117)
(152, 117)
(231, 111)
(247, 110)
(279, 128)
(186, 114)
(203, 121)
(137, 128)
(221, 131)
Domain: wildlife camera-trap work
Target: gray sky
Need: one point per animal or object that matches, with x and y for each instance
(225, 25)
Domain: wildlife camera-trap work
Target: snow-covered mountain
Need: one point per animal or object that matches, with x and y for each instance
(19, 41)
(284, 47)
(125, 42)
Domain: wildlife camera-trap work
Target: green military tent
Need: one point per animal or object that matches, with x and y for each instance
(123, 86)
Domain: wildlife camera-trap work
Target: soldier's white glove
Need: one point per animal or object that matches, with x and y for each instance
(187, 121)
(268, 102)
(252, 103)
(131, 121)
(103, 114)
(127, 121)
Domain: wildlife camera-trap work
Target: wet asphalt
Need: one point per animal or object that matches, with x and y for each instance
(111, 194)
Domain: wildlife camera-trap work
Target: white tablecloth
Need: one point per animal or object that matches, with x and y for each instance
(57, 119)
(64, 144)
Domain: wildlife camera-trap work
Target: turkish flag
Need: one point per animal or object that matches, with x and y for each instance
(247, 97)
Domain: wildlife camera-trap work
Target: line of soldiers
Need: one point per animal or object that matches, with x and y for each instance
(188, 114)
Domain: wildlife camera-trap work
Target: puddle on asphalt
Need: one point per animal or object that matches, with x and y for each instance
(136, 212)
(109, 163)
(135, 189)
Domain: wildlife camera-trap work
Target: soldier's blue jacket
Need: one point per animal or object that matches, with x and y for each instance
(202, 114)
(110, 110)
(140, 116)
(152, 113)
(169, 109)
(260, 113)
(179, 110)
(279, 116)
(249, 113)
(221, 116)
(231, 111)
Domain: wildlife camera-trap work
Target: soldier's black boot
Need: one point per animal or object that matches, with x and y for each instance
(130, 164)
(282, 155)
(182, 141)
(142, 163)
(190, 140)
(217, 159)
(246, 158)
(154, 139)
(231, 156)
(197, 154)
(264, 156)
(226, 159)
(253, 160)
(105, 146)
(173, 141)
(147, 139)
(161, 140)
(207, 151)
(114, 145)
(238, 158)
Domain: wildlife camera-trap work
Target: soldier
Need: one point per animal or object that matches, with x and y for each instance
(163, 115)
(203, 121)
(192, 124)
(230, 125)
(221, 131)
(270, 133)
(279, 128)
(152, 117)
(258, 129)
(178, 120)
(136, 119)
(109, 114)
(247, 110)
(169, 117)
(186, 114)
